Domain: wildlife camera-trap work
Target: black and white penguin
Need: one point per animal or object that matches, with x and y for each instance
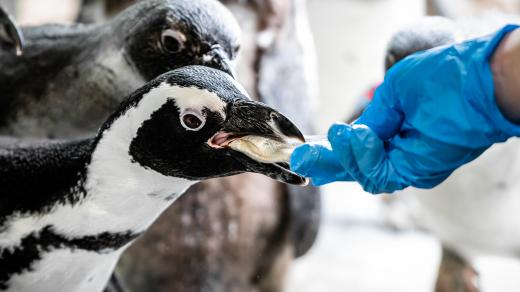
(239, 233)
(428, 33)
(78, 73)
(69, 209)
(11, 36)
(422, 35)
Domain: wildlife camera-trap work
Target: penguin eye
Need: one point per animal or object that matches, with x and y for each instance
(236, 49)
(172, 40)
(192, 121)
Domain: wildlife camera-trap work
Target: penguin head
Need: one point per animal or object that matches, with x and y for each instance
(427, 33)
(162, 35)
(198, 123)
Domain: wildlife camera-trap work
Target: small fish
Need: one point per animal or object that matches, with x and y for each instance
(268, 150)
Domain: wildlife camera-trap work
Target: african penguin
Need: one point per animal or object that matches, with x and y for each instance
(11, 36)
(69, 209)
(248, 230)
(78, 73)
(428, 33)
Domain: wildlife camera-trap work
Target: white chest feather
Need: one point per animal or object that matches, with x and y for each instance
(109, 208)
(67, 270)
(126, 206)
(114, 205)
(475, 211)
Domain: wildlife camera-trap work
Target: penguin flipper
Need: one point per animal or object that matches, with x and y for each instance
(10, 32)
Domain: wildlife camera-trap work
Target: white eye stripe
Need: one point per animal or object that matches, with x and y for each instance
(192, 98)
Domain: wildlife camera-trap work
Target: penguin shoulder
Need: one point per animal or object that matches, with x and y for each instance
(36, 175)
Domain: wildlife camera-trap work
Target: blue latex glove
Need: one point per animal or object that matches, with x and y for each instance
(435, 111)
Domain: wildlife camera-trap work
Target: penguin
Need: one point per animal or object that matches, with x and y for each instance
(249, 230)
(428, 33)
(69, 208)
(11, 35)
(276, 222)
(78, 72)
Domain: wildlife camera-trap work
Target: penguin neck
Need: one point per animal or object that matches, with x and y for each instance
(120, 186)
(129, 195)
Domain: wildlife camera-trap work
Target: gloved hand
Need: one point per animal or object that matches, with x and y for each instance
(434, 112)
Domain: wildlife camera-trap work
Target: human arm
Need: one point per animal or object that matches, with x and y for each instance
(435, 111)
(505, 65)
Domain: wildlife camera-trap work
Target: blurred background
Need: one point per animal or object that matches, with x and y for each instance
(384, 243)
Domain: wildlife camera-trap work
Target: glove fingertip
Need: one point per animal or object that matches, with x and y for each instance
(303, 158)
(339, 134)
(366, 137)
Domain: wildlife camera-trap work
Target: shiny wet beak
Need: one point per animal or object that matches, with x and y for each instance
(267, 141)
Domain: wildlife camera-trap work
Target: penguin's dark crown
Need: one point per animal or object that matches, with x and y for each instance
(425, 34)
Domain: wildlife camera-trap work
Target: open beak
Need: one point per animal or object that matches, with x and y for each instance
(216, 58)
(262, 139)
(10, 32)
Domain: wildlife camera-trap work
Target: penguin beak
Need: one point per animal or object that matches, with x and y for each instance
(261, 139)
(10, 32)
(216, 58)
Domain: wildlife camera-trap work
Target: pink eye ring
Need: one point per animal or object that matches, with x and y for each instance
(192, 121)
(172, 40)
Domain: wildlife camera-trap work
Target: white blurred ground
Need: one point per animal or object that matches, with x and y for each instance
(354, 251)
